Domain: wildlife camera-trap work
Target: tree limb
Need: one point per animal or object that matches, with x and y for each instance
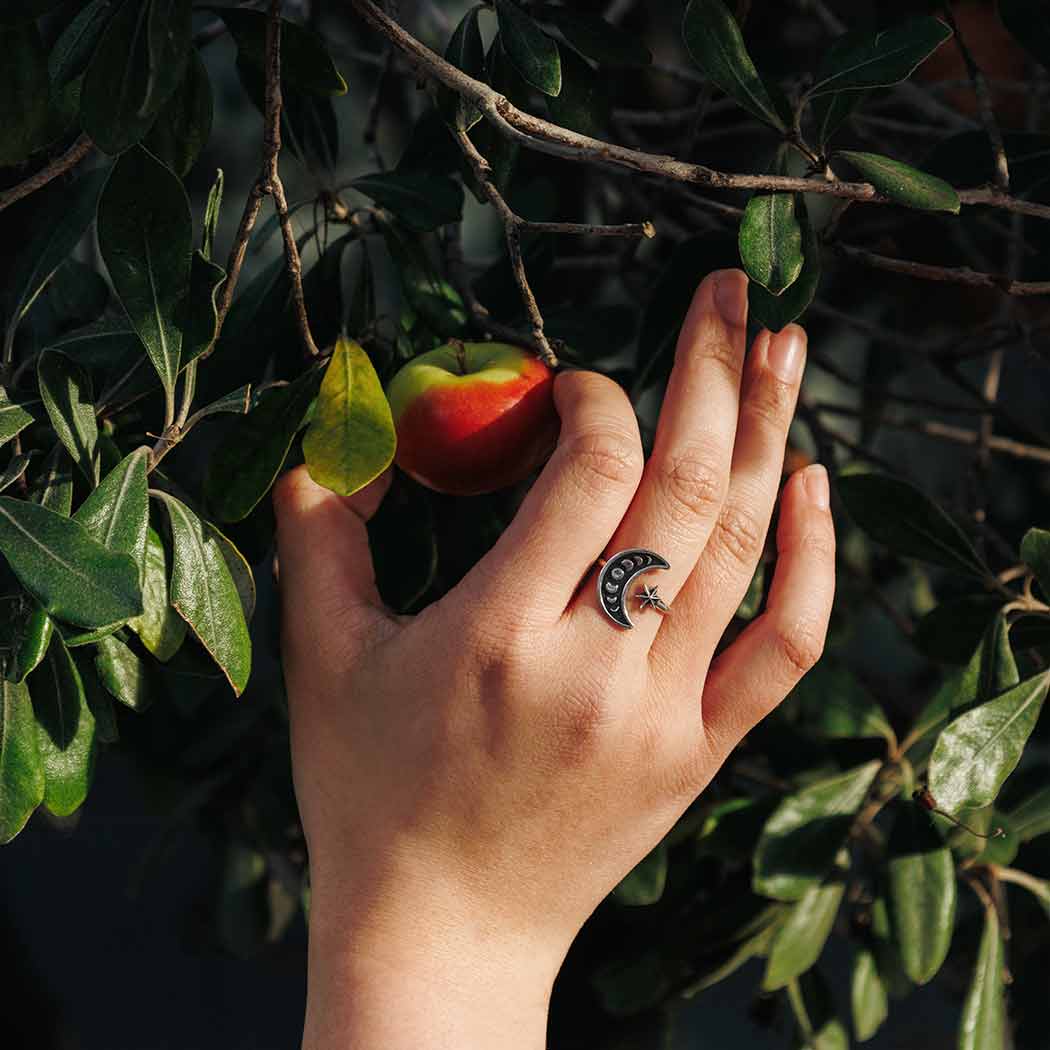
(73, 156)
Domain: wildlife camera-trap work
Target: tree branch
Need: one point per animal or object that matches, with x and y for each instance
(73, 156)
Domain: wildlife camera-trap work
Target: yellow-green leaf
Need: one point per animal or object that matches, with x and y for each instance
(351, 440)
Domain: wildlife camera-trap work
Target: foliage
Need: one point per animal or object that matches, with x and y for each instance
(150, 397)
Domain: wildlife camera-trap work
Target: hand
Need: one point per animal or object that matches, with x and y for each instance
(474, 780)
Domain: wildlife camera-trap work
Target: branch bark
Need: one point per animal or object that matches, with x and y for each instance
(59, 166)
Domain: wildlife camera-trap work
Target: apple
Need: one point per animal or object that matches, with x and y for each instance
(473, 417)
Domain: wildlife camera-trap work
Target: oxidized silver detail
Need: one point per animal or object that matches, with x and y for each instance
(616, 577)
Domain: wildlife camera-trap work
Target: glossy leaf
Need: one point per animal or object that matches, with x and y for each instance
(595, 38)
(65, 729)
(1027, 22)
(466, 51)
(205, 596)
(65, 389)
(144, 233)
(868, 999)
(979, 749)
(770, 240)
(1035, 553)
(351, 438)
(14, 415)
(116, 514)
(903, 183)
(717, 46)
(73, 576)
(27, 634)
(61, 221)
(800, 940)
(136, 67)
(183, 126)
(124, 675)
(76, 44)
(983, 1024)
(866, 59)
(422, 202)
(804, 834)
(305, 61)
(777, 311)
(24, 97)
(243, 469)
(160, 629)
(644, 884)
(534, 54)
(21, 764)
(921, 894)
(902, 517)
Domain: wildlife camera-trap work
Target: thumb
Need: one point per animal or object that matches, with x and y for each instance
(324, 561)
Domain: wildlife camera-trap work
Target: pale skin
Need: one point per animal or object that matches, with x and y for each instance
(474, 780)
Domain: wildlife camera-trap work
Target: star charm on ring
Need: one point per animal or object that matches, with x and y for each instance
(649, 598)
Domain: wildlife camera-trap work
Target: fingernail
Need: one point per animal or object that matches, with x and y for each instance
(787, 353)
(817, 488)
(731, 296)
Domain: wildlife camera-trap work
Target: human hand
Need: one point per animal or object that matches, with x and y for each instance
(474, 780)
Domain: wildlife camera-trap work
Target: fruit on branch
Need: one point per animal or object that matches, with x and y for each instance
(473, 417)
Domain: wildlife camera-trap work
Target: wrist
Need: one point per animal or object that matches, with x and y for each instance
(423, 980)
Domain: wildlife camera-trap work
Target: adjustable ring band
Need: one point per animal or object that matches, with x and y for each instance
(615, 580)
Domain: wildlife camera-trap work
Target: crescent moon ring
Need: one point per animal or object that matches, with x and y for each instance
(616, 577)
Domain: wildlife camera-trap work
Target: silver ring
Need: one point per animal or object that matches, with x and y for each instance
(616, 577)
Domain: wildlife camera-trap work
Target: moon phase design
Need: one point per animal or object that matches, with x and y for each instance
(616, 577)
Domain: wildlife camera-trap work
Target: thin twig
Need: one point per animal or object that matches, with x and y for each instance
(73, 156)
(587, 229)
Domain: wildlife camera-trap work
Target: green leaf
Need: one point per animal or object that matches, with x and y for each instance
(14, 415)
(834, 704)
(53, 486)
(1031, 817)
(211, 214)
(205, 595)
(983, 1025)
(864, 59)
(583, 103)
(868, 998)
(1035, 553)
(422, 202)
(1027, 22)
(61, 220)
(800, 940)
(920, 883)
(13, 471)
(116, 514)
(305, 61)
(534, 54)
(595, 38)
(144, 233)
(199, 318)
(903, 183)
(979, 749)
(73, 576)
(65, 729)
(183, 126)
(902, 517)
(76, 44)
(243, 469)
(644, 884)
(240, 571)
(101, 345)
(751, 603)
(66, 392)
(831, 111)
(25, 107)
(817, 1026)
(804, 834)
(26, 634)
(717, 46)
(466, 51)
(136, 67)
(777, 311)
(236, 403)
(160, 629)
(630, 985)
(21, 765)
(351, 439)
(124, 675)
(770, 241)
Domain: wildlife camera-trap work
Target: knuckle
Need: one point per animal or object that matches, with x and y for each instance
(800, 645)
(820, 543)
(693, 487)
(739, 535)
(770, 401)
(606, 455)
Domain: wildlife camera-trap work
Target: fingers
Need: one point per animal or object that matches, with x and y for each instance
(325, 564)
(761, 667)
(721, 577)
(567, 517)
(687, 475)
